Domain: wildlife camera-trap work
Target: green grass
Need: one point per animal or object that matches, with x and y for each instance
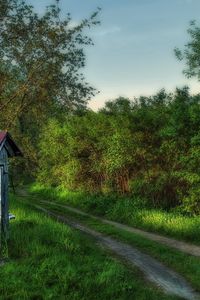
(127, 211)
(48, 260)
(184, 264)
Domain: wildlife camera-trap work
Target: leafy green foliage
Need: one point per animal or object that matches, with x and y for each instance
(148, 148)
(41, 58)
(191, 52)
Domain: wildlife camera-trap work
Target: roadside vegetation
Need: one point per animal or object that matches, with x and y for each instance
(48, 260)
(147, 150)
(125, 210)
(184, 264)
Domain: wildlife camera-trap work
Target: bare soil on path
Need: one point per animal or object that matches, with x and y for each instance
(173, 243)
(154, 271)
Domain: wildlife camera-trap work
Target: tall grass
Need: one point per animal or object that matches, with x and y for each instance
(48, 260)
(130, 211)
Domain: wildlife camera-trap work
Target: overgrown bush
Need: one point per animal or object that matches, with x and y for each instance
(149, 148)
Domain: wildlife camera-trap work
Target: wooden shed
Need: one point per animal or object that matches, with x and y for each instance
(8, 148)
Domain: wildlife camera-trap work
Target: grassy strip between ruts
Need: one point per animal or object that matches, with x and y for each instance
(184, 264)
(127, 211)
(49, 260)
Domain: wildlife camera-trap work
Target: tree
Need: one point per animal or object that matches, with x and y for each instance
(41, 58)
(120, 105)
(191, 53)
(44, 56)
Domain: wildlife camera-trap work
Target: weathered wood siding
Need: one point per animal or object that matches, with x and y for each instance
(4, 191)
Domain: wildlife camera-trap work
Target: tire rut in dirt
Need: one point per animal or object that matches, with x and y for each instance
(154, 271)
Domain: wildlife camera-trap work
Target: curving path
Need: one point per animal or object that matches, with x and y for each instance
(154, 271)
(181, 246)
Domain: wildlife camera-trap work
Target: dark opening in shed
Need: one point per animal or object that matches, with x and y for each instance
(8, 148)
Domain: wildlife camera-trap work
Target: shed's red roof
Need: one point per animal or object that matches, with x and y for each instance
(5, 137)
(2, 136)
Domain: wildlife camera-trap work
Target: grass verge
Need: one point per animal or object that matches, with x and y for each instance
(49, 260)
(184, 264)
(127, 211)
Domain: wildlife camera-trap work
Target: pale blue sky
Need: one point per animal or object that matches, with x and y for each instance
(133, 53)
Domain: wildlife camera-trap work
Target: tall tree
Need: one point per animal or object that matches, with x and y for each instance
(41, 58)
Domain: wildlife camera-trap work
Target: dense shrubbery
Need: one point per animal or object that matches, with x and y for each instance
(147, 148)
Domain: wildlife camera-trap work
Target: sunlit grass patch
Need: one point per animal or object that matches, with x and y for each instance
(49, 260)
(187, 265)
(128, 211)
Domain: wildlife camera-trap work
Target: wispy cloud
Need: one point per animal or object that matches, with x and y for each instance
(108, 31)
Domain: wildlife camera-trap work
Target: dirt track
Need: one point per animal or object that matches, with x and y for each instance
(154, 271)
(181, 246)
